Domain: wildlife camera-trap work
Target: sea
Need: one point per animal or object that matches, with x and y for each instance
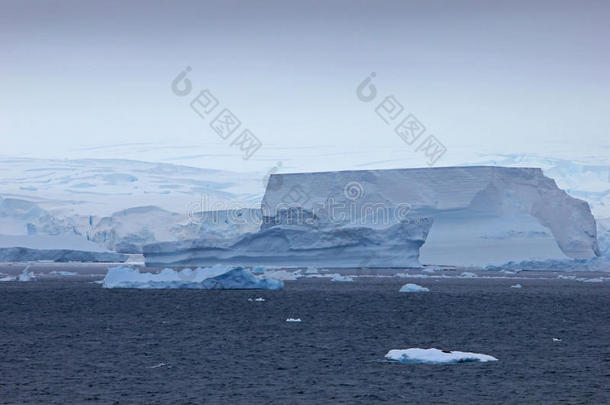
(66, 340)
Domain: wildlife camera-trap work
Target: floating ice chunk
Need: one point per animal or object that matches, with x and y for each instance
(7, 278)
(413, 288)
(516, 286)
(157, 365)
(339, 277)
(284, 275)
(212, 278)
(311, 270)
(468, 274)
(259, 299)
(556, 340)
(293, 320)
(26, 275)
(593, 280)
(436, 356)
(63, 273)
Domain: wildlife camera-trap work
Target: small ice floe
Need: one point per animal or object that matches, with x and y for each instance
(436, 356)
(293, 320)
(26, 275)
(311, 270)
(157, 365)
(556, 340)
(63, 273)
(283, 275)
(516, 286)
(339, 277)
(413, 288)
(468, 274)
(7, 278)
(593, 280)
(259, 299)
(581, 279)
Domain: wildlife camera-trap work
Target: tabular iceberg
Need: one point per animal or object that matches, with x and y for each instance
(213, 278)
(436, 356)
(482, 214)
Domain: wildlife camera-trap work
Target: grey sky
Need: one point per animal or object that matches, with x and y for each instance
(510, 77)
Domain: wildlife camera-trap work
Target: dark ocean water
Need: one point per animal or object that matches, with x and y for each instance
(65, 342)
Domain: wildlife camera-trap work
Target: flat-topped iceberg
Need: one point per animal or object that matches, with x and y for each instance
(482, 214)
(436, 356)
(211, 278)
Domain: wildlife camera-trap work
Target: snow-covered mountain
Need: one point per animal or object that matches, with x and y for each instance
(101, 187)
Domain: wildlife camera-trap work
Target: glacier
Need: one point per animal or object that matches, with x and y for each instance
(213, 278)
(436, 356)
(482, 215)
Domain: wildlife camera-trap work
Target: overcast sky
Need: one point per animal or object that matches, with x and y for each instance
(526, 77)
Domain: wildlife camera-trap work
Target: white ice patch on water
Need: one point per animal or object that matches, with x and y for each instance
(413, 288)
(283, 275)
(211, 278)
(293, 320)
(436, 356)
(516, 286)
(468, 274)
(339, 277)
(582, 279)
(25, 276)
(63, 273)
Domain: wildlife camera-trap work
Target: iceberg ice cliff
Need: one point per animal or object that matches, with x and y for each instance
(283, 244)
(482, 214)
(476, 215)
